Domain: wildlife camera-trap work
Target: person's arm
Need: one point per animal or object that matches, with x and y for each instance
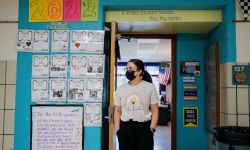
(117, 117)
(155, 115)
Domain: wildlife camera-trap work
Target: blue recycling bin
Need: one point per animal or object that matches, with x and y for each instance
(232, 138)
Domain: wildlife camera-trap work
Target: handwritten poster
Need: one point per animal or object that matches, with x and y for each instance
(57, 127)
(71, 10)
(95, 41)
(76, 90)
(92, 114)
(89, 11)
(36, 10)
(41, 41)
(95, 66)
(40, 66)
(78, 65)
(57, 90)
(59, 41)
(54, 10)
(58, 65)
(78, 41)
(94, 88)
(24, 40)
(40, 92)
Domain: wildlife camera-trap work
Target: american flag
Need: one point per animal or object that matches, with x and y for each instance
(164, 76)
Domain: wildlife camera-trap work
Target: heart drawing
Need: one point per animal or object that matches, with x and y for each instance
(77, 45)
(28, 43)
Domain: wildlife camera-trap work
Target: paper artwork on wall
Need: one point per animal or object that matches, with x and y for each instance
(92, 114)
(41, 41)
(59, 41)
(40, 66)
(78, 41)
(24, 40)
(94, 88)
(36, 10)
(53, 10)
(58, 65)
(78, 66)
(95, 41)
(87, 41)
(89, 10)
(57, 128)
(95, 66)
(39, 92)
(71, 10)
(76, 90)
(57, 90)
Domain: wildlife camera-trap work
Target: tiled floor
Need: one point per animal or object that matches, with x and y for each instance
(162, 138)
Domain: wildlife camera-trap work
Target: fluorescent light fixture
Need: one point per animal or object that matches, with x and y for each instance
(153, 41)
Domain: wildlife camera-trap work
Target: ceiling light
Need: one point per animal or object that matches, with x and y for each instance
(149, 41)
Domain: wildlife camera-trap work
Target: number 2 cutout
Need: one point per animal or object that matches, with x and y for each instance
(36, 10)
(71, 10)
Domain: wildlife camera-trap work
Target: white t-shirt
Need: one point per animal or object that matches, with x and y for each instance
(135, 100)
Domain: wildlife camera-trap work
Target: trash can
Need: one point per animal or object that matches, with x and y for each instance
(232, 138)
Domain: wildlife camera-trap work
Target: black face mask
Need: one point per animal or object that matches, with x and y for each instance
(130, 75)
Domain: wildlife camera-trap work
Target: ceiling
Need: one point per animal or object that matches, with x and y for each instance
(148, 50)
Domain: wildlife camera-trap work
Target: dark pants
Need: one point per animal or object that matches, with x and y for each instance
(134, 135)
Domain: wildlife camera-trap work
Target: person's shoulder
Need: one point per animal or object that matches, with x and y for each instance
(124, 85)
(145, 83)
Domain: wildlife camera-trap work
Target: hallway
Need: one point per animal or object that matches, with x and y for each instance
(162, 138)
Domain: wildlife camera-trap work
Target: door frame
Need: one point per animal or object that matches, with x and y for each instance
(173, 79)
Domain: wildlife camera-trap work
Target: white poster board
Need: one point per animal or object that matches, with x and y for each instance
(57, 127)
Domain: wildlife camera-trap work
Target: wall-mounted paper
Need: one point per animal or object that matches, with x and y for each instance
(71, 10)
(93, 114)
(59, 41)
(89, 10)
(76, 90)
(57, 127)
(95, 41)
(24, 40)
(36, 10)
(54, 10)
(78, 41)
(95, 66)
(78, 65)
(40, 92)
(94, 88)
(57, 90)
(41, 41)
(58, 65)
(40, 66)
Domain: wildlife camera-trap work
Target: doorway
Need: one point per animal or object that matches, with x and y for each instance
(157, 51)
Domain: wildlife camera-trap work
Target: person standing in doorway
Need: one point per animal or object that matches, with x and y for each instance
(136, 109)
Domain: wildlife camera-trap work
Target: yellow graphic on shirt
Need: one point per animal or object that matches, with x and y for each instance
(134, 103)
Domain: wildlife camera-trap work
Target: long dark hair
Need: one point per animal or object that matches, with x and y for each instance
(140, 66)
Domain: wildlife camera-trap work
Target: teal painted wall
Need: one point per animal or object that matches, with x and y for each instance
(190, 47)
(187, 138)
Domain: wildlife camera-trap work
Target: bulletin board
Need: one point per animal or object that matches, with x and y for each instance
(57, 127)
